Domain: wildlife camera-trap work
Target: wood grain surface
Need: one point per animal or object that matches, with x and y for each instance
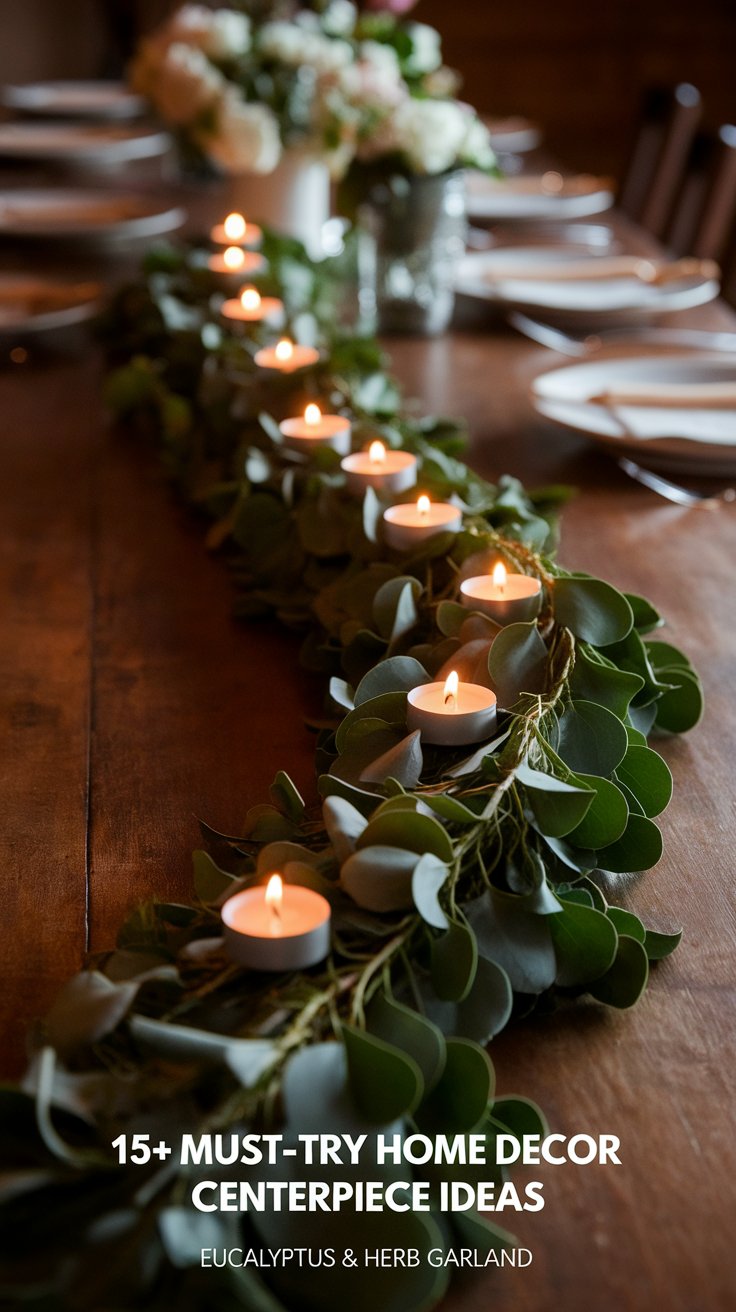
(132, 704)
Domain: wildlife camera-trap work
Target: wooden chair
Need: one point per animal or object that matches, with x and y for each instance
(703, 222)
(658, 160)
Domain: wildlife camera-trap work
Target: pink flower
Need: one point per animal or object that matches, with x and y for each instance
(390, 6)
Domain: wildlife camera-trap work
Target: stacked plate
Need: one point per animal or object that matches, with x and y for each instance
(672, 412)
(579, 289)
(100, 100)
(531, 198)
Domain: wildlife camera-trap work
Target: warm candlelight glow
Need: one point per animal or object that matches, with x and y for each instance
(312, 414)
(233, 258)
(284, 349)
(250, 299)
(499, 575)
(234, 227)
(423, 506)
(452, 683)
(274, 899)
(377, 453)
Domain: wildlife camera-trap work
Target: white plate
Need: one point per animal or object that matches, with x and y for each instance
(84, 213)
(526, 198)
(35, 304)
(74, 99)
(109, 143)
(680, 440)
(513, 135)
(498, 276)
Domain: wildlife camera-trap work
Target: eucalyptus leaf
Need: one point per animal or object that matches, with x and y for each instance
(403, 762)
(454, 962)
(585, 944)
(627, 923)
(379, 877)
(592, 610)
(659, 945)
(517, 663)
(460, 1098)
(592, 740)
(386, 1083)
(638, 848)
(606, 818)
(625, 981)
(412, 1033)
(418, 833)
(429, 877)
(515, 938)
(597, 680)
(648, 777)
(558, 806)
(681, 708)
(396, 674)
(344, 824)
(210, 882)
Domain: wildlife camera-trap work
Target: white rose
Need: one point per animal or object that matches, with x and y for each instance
(182, 84)
(282, 42)
(430, 134)
(247, 138)
(426, 55)
(382, 58)
(297, 46)
(228, 36)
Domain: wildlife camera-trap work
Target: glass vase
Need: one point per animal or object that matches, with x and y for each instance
(411, 234)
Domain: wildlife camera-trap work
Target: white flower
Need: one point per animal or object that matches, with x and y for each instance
(339, 18)
(476, 149)
(430, 134)
(299, 47)
(221, 33)
(181, 83)
(382, 58)
(246, 139)
(426, 55)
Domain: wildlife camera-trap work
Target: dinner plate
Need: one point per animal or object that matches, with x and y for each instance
(74, 214)
(74, 99)
(109, 143)
(513, 135)
(505, 276)
(31, 304)
(531, 198)
(678, 439)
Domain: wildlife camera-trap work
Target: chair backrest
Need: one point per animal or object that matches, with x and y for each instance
(704, 216)
(658, 160)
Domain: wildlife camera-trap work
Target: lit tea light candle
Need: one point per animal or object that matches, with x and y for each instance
(279, 927)
(286, 356)
(408, 524)
(235, 262)
(387, 471)
(234, 231)
(503, 597)
(251, 307)
(451, 714)
(316, 429)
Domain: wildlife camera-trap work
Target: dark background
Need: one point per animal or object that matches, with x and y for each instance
(578, 66)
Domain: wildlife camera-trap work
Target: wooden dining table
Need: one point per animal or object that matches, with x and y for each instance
(133, 705)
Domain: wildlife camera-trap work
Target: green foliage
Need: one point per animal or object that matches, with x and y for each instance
(461, 881)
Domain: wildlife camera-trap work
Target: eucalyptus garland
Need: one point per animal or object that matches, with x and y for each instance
(466, 886)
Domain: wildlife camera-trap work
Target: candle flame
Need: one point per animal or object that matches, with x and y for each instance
(274, 899)
(377, 453)
(233, 258)
(423, 505)
(312, 414)
(250, 299)
(499, 575)
(452, 684)
(284, 349)
(234, 227)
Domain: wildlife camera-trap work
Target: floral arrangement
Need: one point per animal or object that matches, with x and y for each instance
(358, 88)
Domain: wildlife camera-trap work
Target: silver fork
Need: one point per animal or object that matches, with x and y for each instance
(588, 344)
(682, 496)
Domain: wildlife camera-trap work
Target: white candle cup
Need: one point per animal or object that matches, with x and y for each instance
(278, 359)
(236, 263)
(389, 471)
(251, 307)
(298, 937)
(234, 231)
(516, 600)
(306, 432)
(410, 523)
(451, 720)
